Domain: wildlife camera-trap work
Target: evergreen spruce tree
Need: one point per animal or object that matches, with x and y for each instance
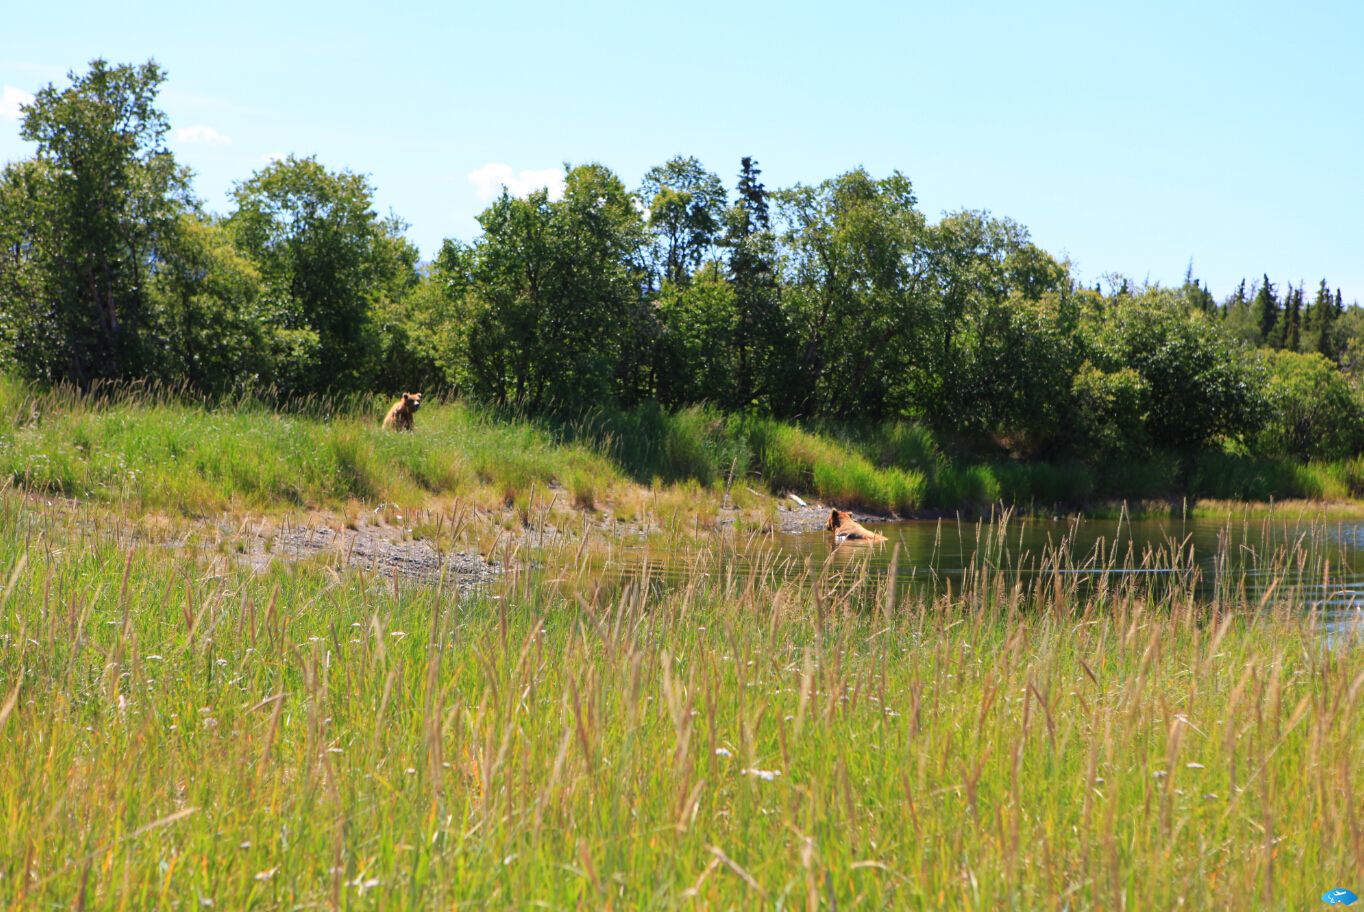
(1292, 324)
(1311, 316)
(1238, 301)
(1196, 293)
(1206, 302)
(752, 271)
(1266, 312)
(1319, 321)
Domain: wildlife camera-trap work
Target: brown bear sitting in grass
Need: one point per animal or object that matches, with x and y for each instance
(399, 418)
(845, 528)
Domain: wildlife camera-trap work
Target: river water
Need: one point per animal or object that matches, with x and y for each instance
(1314, 564)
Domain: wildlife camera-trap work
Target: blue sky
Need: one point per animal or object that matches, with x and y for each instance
(1129, 137)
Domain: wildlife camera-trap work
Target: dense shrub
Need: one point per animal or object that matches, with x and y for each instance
(1313, 413)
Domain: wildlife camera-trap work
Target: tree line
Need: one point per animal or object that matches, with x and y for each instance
(834, 301)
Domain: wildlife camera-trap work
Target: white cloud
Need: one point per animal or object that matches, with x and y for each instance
(11, 97)
(492, 177)
(201, 135)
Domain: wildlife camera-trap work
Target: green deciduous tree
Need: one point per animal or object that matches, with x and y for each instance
(856, 291)
(91, 215)
(698, 356)
(686, 210)
(405, 315)
(1012, 364)
(1198, 387)
(977, 269)
(325, 258)
(1107, 413)
(1312, 411)
(1238, 318)
(25, 344)
(207, 325)
(553, 300)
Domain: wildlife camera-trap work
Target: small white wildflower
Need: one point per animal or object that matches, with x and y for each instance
(153, 658)
(1194, 766)
(1159, 774)
(722, 752)
(361, 884)
(245, 845)
(764, 775)
(267, 873)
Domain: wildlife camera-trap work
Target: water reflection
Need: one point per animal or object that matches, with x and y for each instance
(1317, 566)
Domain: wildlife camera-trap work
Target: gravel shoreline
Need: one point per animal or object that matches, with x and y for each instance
(376, 548)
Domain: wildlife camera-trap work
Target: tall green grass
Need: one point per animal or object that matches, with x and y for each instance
(165, 453)
(168, 451)
(793, 459)
(177, 732)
